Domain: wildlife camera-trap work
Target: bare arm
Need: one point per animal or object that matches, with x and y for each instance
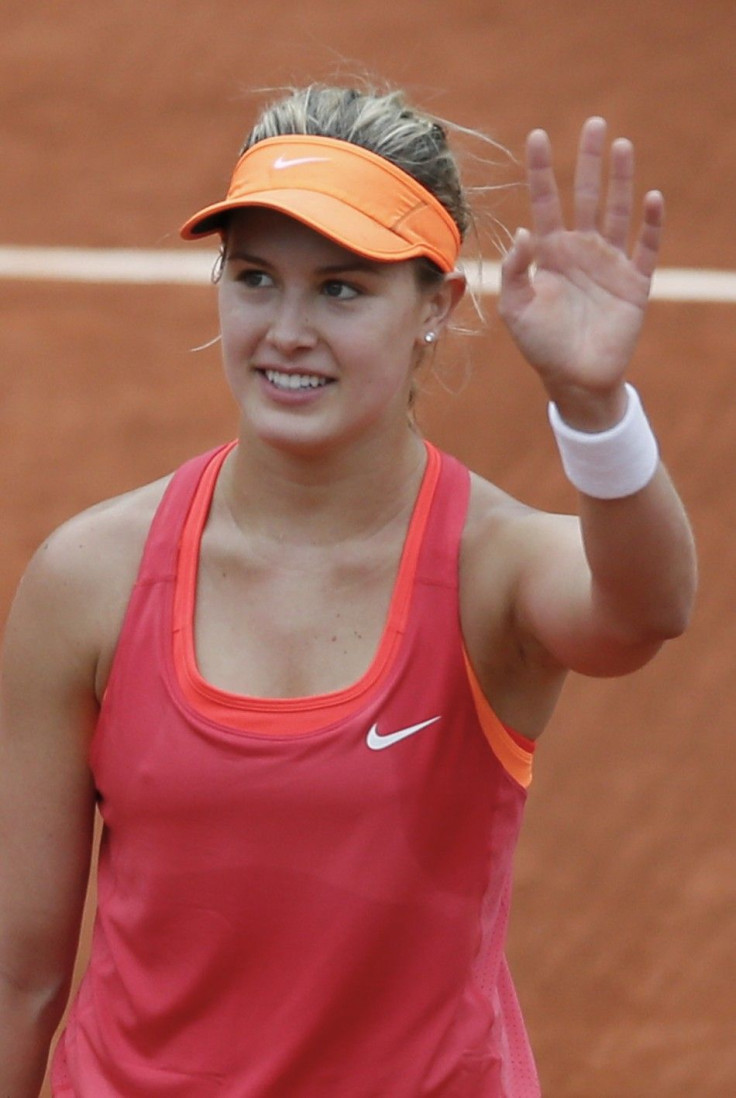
(47, 712)
(599, 595)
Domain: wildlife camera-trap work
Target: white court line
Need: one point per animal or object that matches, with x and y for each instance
(194, 267)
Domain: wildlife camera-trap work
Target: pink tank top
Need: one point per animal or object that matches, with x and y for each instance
(302, 898)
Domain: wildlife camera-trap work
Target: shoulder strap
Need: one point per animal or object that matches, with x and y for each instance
(162, 544)
(439, 555)
(439, 565)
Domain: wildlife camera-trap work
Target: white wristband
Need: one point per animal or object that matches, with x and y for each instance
(609, 464)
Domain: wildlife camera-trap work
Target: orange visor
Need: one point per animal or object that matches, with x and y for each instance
(356, 198)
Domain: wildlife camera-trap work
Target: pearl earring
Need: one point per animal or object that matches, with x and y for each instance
(430, 337)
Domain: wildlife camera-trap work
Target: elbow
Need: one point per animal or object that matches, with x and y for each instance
(630, 645)
(679, 612)
(668, 612)
(41, 1003)
(670, 621)
(678, 624)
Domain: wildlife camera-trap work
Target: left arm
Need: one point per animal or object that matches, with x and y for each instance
(600, 595)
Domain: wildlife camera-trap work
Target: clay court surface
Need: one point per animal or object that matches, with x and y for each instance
(119, 119)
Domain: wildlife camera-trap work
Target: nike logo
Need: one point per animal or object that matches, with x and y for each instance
(282, 161)
(376, 742)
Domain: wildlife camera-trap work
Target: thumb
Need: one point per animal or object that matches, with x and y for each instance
(519, 258)
(516, 285)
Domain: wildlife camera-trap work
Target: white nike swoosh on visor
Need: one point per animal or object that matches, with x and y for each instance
(282, 162)
(376, 742)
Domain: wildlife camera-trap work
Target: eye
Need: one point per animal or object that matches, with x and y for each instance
(254, 278)
(340, 291)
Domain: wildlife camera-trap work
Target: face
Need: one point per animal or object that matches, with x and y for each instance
(319, 344)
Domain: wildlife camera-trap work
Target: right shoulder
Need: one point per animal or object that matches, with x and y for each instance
(106, 536)
(78, 582)
(102, 544)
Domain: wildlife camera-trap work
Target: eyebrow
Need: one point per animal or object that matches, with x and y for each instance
(356, 264)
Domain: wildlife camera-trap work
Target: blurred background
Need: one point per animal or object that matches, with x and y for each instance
(119, 120)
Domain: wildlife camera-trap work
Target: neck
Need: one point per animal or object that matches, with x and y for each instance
(323, 497)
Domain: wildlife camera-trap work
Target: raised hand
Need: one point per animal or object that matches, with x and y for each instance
(574, 299)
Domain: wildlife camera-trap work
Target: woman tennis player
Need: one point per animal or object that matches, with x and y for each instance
(302, 677)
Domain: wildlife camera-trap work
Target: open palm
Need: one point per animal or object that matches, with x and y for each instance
(574, 299)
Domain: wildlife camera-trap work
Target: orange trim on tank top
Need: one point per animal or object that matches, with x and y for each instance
(284, 716)
(514, 751)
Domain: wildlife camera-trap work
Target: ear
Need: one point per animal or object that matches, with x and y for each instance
(441, 302)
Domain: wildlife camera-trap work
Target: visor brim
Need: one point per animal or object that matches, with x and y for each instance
(345, 225)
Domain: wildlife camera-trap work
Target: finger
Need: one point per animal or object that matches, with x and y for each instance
(516, 271)
(620, 197)
(649, 241)
(588, 171)
(519, 258)
(545, 199)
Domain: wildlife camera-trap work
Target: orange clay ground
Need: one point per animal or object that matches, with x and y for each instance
(119, 119)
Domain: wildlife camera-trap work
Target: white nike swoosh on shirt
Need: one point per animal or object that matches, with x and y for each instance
(282, 162)
(377, 742)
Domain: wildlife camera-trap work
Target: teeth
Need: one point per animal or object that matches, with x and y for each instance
(294, 381)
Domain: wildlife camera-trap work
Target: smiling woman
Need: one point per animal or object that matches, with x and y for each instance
(308, 325)
(303, 676)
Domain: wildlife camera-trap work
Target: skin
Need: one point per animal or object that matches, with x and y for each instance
(307, 525)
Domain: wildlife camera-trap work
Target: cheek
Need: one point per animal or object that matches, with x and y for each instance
(225, 314)
(396, 329)
(383, 344)
(236, 328)
(399, 344)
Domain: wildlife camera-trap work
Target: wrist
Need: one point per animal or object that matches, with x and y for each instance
(613, 463)
(591, 412)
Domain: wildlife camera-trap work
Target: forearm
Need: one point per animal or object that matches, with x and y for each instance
(27, 1025)
(641, 555)
(636, 535)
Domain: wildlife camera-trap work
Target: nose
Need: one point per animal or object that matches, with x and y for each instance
(290, 329)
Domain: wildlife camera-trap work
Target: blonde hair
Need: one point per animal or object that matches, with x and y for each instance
(384, 124)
